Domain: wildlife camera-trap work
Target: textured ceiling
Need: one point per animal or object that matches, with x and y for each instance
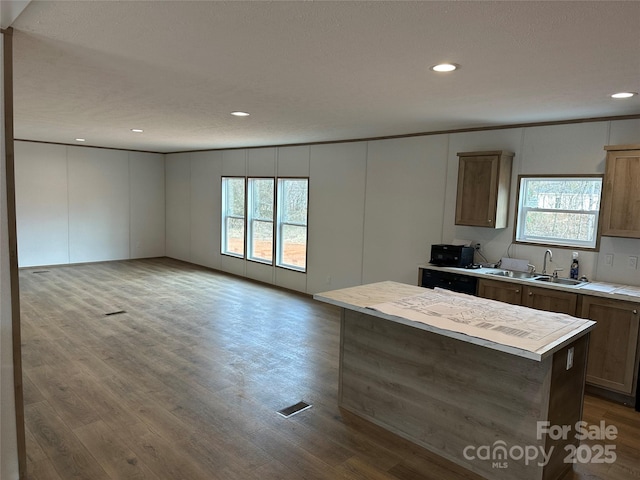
(313, 71)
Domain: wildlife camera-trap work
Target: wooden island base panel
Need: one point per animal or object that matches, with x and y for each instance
(484, 401)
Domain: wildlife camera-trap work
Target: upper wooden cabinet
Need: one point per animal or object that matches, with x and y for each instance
(484, 182)
(621, 194)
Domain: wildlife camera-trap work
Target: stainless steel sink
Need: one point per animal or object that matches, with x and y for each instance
(560, 281)
(512, 274)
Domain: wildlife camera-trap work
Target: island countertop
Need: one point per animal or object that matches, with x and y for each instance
(513, 329)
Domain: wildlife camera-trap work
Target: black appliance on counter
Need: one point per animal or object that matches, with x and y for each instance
(451, 255)
(449, 281)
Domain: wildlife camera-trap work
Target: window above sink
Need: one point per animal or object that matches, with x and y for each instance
(558, 210)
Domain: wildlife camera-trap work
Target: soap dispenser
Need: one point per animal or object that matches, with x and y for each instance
(574, 267)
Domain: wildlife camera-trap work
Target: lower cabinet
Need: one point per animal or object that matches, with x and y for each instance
(613, 345)
(550, 300)
(534, 297)
(501, 291)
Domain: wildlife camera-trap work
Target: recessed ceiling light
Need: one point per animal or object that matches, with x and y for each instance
(137, 130)
(623, 95)
(445, 67)
(80, 140)
(240, 114)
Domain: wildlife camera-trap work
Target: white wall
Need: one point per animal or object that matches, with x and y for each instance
(336, 192)
(147, 210)
(559, 149)
(178, 206)
(79, 204)
(42, 206)
(404, 206)
(194, 211)
(205, 215)
(376, 207)
(624, 132)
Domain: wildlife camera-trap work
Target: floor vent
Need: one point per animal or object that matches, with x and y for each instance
(40, 271)
(114, 313)
(293, 409)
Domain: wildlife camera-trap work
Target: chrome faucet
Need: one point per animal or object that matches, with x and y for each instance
(544, 261)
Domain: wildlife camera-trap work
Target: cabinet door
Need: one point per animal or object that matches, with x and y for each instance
(613, 344)
(550, 300)
(484, 182)
(501, 291)
(477, 177)
(621, 194)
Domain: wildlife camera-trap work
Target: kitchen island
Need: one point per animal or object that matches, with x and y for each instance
(470, 379)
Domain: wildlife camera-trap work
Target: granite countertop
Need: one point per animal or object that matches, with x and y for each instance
(513, 329)
(598, 289)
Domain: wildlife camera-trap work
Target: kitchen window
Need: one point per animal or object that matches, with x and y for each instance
(292, 223)
(559, 210)
(260, 219)
(233, 207)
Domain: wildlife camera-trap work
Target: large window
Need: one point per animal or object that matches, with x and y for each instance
(233, 193)
(260, 219)
(292, 223)
(275, 222)
(559, 211)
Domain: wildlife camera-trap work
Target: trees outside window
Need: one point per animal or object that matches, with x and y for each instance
(560, 211)
(293, 194)
(260, 219)
(268, 220)
(233, 207)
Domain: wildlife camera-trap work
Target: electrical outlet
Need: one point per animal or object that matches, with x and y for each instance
(570, 358)
(608, 260)
(477, 246)
(632, 262)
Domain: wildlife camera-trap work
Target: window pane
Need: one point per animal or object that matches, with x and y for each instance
(563, 194)
(262, 198)
(559, 211)
(260, 219)
(294, 205)
(561, 226)
(262, 240)
(235, 196)
(235, 236)
(294, 246)
(233, 206)
(291, 240)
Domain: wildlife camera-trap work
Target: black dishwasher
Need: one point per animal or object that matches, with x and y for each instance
(448, 280)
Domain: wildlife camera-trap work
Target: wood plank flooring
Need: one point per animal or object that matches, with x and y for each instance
(185, 384)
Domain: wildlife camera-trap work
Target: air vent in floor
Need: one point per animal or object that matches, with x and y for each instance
(293, 409)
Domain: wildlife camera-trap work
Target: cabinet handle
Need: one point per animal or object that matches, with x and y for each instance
(517, 291)
(530, 293)
(635, 312)
(489, 221)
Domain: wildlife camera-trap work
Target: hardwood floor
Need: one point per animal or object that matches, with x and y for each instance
(186, 382)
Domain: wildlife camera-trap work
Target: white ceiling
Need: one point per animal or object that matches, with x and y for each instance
(313, 71)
